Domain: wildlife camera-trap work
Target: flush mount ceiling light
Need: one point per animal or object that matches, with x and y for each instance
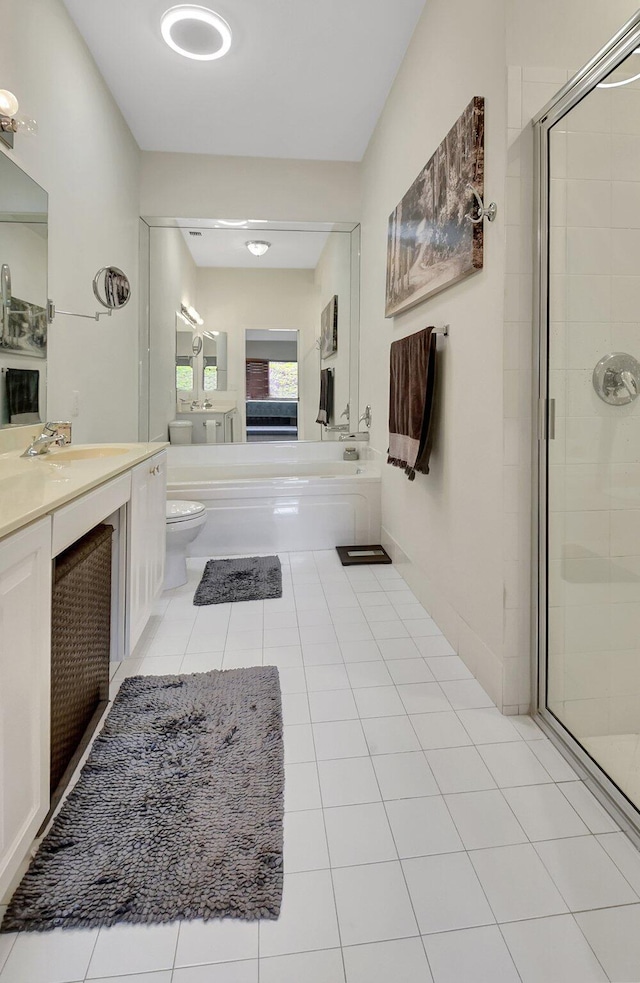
(196, 32)
(257, 246)
(614, 85)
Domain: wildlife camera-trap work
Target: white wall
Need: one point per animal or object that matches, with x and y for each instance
(86, 159)
(200, 186)
(234, 300)
(447, 525)
(172, 283)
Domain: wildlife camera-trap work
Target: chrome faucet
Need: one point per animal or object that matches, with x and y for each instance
(628, 381)
(41, 444)
(358, 435)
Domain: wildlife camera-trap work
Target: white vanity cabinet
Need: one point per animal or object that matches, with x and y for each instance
(133, 500)
(146, 542)
(25, 660)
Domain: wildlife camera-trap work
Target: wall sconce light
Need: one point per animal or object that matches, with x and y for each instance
(190, 315)
(196, 347)
(9, 124)
(8, 109)
(257, 247)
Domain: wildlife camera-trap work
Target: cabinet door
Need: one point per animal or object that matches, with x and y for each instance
(157, 532)
(25, 692)
(146, 542)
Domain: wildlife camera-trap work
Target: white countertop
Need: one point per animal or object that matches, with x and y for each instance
(221, 407)
(33, 487)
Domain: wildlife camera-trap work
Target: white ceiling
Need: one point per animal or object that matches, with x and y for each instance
(304, 78)
(227, 248)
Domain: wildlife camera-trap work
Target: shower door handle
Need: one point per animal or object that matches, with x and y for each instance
(551, 419)
(547, 422)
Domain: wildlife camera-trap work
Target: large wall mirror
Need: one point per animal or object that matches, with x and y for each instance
(23, 297)
(240, 320)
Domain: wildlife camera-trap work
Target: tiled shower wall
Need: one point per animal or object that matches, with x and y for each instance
(594, 572)
(594, 618)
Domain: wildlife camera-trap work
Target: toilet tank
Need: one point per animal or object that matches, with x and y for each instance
(181, 432)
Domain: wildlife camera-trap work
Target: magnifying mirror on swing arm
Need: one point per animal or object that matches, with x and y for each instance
(111, 287)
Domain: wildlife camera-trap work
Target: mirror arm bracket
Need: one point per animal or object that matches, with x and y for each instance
(52, 311)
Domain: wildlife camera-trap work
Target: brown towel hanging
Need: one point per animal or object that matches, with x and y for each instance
(325, 412)
(412, 388)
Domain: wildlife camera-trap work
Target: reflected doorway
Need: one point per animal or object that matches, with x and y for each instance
(272, 393)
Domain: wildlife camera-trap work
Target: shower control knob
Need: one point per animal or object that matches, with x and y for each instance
(616, 378)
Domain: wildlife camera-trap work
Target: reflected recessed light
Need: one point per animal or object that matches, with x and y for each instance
(235, 224)
(196, 32)
(257, 246)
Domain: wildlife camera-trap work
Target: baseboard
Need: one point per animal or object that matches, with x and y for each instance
(479, 659)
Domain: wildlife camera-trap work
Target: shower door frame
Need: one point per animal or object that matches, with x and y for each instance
(611, 55)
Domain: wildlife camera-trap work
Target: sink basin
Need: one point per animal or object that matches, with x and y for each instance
(84, 453)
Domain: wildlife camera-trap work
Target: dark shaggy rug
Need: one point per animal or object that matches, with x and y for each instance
(177, 813)
(251, 578)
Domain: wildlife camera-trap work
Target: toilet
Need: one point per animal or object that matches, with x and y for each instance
(184, 522)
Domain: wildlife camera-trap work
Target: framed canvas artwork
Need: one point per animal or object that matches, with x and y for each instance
(432, 242)
(329, 329)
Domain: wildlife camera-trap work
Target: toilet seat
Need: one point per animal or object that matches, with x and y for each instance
(180, 511)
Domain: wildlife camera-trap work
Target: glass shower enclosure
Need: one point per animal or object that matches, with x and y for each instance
(587, 566)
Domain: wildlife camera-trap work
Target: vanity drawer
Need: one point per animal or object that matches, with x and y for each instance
(74, 520)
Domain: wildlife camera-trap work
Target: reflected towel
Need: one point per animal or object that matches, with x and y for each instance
(325, 411)
(23, 395)
(412, 389)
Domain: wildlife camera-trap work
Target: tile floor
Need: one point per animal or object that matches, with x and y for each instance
(427, 837)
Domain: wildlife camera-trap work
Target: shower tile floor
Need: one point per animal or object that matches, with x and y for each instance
(427, 837)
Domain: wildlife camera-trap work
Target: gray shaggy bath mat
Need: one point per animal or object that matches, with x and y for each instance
(251, 578)
(177, 813)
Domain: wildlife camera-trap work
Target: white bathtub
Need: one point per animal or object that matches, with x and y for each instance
(276, 497)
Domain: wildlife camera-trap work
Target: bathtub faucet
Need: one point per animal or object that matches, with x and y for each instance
(360, 435)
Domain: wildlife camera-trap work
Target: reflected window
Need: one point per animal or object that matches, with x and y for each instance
(184, 374)
(283, 380)
(268, 379)
(210, 375)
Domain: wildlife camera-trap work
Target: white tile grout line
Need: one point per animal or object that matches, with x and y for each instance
(324, 825)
